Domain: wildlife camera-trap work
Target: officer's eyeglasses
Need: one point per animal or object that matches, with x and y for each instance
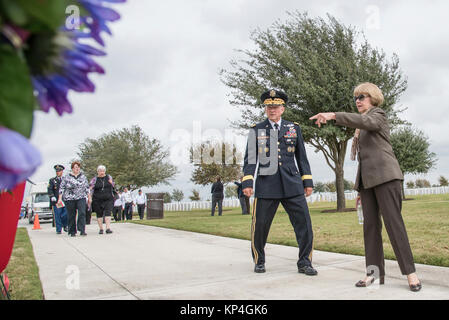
(360, 97)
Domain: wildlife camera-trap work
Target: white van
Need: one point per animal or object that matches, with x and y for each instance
(40, 203)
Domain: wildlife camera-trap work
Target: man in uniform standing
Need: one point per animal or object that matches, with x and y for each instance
(127, 200)
(141, 201)
(283, 176)
(59, 213)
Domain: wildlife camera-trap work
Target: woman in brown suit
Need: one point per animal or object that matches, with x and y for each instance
(379, 181)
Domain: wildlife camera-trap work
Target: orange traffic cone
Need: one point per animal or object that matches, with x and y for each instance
(36, 222)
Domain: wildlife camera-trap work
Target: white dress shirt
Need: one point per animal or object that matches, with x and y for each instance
(272, 124)
(127, 197)
(141, 199)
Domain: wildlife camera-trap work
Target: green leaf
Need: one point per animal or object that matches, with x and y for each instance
(44, 15)
(13, 12)
(16, 92)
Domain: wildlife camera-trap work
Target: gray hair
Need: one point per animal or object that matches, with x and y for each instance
(102, 168)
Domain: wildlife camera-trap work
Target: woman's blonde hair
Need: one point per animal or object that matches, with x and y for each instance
(377, 98)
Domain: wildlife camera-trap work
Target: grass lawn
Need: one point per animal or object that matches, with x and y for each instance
(22, 270)
(426, 219)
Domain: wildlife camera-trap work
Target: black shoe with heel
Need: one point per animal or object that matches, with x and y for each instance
(415, 287)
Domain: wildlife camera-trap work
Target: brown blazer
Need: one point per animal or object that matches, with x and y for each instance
(377, 162)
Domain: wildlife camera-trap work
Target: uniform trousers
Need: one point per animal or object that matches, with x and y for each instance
(385, 200)
(141, 210)
(128, 211)
(298, 212)
(60, 217)
(244, 203)
(117, 212)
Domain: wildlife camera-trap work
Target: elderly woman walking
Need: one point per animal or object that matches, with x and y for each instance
(379, 180)
(102, 198)
(73, 191)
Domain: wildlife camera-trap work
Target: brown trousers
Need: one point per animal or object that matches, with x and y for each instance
(385, 200)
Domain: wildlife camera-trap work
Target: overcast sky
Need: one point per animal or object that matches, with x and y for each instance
(162, 74)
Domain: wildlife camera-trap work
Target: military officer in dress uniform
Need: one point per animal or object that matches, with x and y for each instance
(60, 214)
(276, 150)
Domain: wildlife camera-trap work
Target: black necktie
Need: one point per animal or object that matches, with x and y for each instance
(276, 126)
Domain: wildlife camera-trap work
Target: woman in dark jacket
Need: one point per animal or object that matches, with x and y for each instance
(102, 198)
(379, 181)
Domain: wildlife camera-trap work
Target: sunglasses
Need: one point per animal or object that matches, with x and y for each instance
(360, 97)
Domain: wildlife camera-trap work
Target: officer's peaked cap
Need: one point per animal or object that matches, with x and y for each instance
(273, 97)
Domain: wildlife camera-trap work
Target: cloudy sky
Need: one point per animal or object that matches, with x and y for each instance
(162, 74)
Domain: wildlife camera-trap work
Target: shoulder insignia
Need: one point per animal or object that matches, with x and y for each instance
(296, 123)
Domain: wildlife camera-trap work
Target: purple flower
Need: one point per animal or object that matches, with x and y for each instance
(74, 62)
(99, 15)
(52, 90)
(18, 158)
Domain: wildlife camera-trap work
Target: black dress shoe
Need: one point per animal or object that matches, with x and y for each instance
(65, 229)
(83, 234)
(259, 268)
(308, 270)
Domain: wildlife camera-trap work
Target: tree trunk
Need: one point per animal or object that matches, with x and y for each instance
(340, 184)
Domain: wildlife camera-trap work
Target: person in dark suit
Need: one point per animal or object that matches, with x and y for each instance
(379, 181)
(59, 212)
(244, 200)
(217, 196)
(276, 147)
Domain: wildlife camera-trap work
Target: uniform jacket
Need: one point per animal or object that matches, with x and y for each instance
(291, 169)
(377, 162)
(239, 189)
(53, 189)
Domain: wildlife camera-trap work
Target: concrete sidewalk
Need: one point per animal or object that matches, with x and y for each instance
(141, 262)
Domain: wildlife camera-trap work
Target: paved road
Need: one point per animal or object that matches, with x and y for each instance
(141, 262)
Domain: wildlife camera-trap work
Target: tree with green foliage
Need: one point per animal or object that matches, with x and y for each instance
(442, 181)
(410, 185)
(319, 187)
(331, 186)
(167, 197)
(177, 195)
(411, 148)
(130, 156)
(195, 195)
(422, 183)
(231, 191)
(213, 159)
(318, 64)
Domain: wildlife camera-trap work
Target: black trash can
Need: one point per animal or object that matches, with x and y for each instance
(155, 206)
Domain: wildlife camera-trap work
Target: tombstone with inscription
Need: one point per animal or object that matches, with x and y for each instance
(155, 206)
